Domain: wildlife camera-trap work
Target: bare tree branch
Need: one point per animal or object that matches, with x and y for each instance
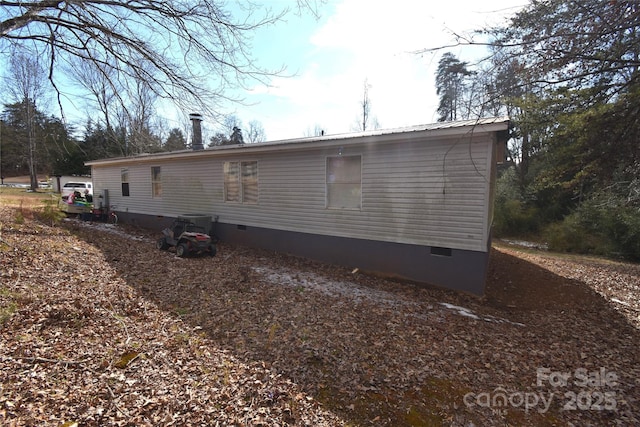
(191, 51)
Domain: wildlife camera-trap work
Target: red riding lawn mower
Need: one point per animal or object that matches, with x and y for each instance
(187, 238)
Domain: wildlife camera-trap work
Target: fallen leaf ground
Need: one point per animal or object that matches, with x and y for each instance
(100, 328)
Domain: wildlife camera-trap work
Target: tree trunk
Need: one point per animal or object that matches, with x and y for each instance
(33, 175)
(524, 159)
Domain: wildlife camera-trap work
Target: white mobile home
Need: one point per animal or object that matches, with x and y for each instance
(414, 203)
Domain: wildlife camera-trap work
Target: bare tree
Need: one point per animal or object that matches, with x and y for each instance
(256, 132)
(139, 119)
(365, 120)
(189, 51)
(27, 85)
(231, 122)
(229, 132)
(102, 86)
(106, 94)
(127, 106)
(316, 131)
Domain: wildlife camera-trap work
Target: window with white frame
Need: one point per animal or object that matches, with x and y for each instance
(156, 181)
(344, 182)
(241, 182)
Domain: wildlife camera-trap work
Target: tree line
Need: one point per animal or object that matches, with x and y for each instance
(33, 143)
(566, 73)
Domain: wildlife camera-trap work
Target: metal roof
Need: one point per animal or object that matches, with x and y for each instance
(460, 127)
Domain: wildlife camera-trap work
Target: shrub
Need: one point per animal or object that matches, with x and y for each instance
(623, 227)
(19, 218)
(602, 226)
(570, 235)
(50, 213)
(514, 218)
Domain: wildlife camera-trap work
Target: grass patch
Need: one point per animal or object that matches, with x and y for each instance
(41, 205)
(8, 304)
(15, 197)
(6, 311)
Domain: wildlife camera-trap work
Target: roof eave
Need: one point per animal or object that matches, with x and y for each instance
(444, 129)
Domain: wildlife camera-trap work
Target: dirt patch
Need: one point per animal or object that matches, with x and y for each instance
(101, 328)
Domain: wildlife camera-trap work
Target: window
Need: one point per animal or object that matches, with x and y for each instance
(231, 182)
(241, 182)
(124, 178)
(156, 181)
(344, 182)
(249, 182)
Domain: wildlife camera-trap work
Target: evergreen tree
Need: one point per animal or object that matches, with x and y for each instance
(218, 139)
(236, 136)
(175, 141)
(451, 87)
(52, 142)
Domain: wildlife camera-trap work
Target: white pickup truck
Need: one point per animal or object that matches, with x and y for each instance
(80, 187)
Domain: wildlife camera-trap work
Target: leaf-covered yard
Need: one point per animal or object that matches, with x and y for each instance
(100, 328)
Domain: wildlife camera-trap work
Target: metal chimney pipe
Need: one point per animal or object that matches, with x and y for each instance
(196, 141)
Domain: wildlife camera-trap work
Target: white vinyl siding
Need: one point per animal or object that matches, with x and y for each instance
(420, 191)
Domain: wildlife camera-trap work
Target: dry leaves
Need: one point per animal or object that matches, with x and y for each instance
(100, 328)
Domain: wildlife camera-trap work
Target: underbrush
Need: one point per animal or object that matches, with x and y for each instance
(49, 213)
(611, 231)
(605, 224)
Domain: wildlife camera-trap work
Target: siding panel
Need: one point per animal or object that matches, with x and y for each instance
(415, 191)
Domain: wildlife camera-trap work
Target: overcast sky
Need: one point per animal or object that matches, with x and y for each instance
(356, 40)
